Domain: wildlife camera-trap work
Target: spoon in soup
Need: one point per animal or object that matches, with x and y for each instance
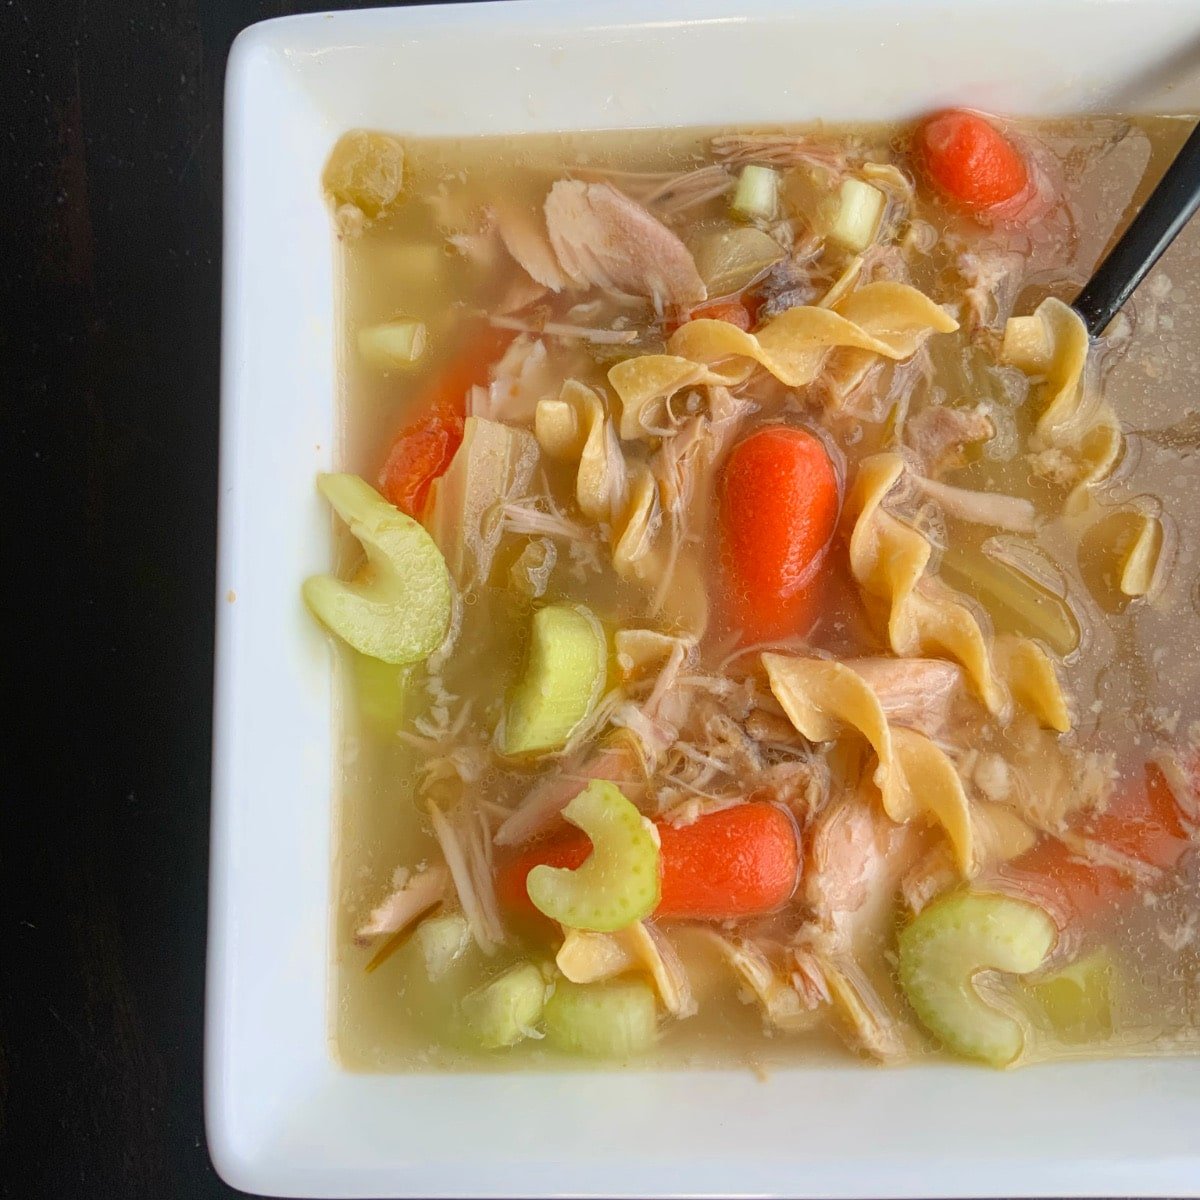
(1167, 210)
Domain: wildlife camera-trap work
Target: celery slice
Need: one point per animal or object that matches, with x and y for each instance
(1078, 1000)
(619, 882)
(380, 690)
(951, 942)
(1016, 602)
(392, 344)
(399, 609)
(757, 193)
(616, 1019)
(506, 1009)
(860, 206)
(564, 676)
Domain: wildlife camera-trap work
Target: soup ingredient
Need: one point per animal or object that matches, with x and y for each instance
(442, 940)
(860, 209)
(423, 450)
(507, 1009)
(970, 161)
(730, 260)
(618, 883)
(1078, 999)
(418, 456)
(1142, 826)
(756, 196)
(367, 170)
(737, 862)
(778, 509)
(494, 464)
(380, 690)
(615, 1020)
(950, 943)
(398, 608)
(733, 311)
(564, 675)
(603, 238)
(392, 344)
(1014, 599)
(411, 896)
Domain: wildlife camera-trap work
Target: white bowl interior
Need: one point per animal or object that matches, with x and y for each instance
(283, 1118)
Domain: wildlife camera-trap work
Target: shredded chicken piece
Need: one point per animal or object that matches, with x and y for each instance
(411, 896)
(869, 1026)
(524, 236)
(768, 982)
(938, 435)
(992, 279)
(669, 194)
(926, 694)
(932, 874)
(543, 803)
(856, 859)
(538, 516)
(1011, 513)
(583, 333)
(604, 239)
(523, 376)
(466, 847)
(777, 150)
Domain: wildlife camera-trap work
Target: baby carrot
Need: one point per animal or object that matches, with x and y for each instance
(778, 506)
(969, 160)
(733, 863)
(1144, 824)
(422, 450)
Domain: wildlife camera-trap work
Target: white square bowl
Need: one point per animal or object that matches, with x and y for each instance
(283, 1117)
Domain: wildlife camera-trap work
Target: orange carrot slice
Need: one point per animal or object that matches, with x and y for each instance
(969, 160)
(778, 502)
(733, 863)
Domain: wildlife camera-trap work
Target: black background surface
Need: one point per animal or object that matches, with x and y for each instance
(110, 225)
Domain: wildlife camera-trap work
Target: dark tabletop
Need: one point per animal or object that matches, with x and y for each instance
(110, 223)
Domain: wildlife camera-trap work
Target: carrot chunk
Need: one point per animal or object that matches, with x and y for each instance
(969, 160)
(733, 863)
(422, 450)
(778, 502)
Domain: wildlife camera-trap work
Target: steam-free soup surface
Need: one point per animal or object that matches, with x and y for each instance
(797, 544)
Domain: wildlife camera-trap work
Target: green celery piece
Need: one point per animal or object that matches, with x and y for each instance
(563, 678)
(616, 1019)
(1078, 1000)
(947, 945)
(1015, 602)
(503, 1011)
(380, 689)
(400, 611)
(619, 882)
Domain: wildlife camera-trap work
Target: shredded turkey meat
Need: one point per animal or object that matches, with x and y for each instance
(604, 239)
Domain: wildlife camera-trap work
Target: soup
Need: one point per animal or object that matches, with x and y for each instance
(768, 629)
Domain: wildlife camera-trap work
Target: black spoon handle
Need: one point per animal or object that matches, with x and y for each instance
(1164, 214)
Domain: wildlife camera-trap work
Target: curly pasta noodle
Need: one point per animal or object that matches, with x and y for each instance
(888, 319)
(1053, 344)
(608, 489)
(825, 699)
(889, 559)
